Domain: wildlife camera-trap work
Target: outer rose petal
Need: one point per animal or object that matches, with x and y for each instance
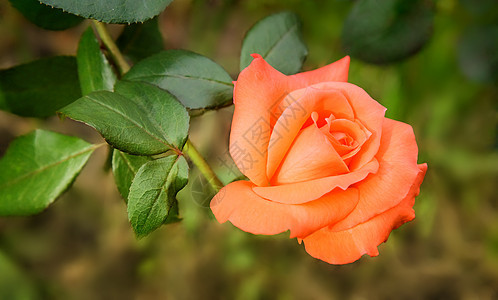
(398, 170)
(238, 204)
(347, 246)
(302, 192)
(337, 71)
(258, 88)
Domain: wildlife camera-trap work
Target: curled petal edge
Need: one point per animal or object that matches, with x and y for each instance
(347, 246)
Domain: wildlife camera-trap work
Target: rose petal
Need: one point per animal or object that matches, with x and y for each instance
(347, 246)
(257, 93)
(238, 204)
(346, 128)
(300, 105)
(258, 89)
(371, 115)
(368, 111)
(398, 170)
(302, 192)
(311, 156)
(337, 71)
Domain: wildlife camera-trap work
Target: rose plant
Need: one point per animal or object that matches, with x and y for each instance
(322, 160)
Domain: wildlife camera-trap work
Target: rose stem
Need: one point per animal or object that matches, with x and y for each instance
(116, 55)
(202, 165)
(189, 148)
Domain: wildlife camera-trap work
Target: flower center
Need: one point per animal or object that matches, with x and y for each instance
(346, 136)
(343, 139)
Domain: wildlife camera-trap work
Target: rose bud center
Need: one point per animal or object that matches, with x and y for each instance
(324, 148)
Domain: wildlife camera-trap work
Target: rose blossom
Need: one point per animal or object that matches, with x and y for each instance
(322, 160)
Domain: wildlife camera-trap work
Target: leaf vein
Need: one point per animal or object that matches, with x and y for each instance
(292, 28)
(190, 77)
(15, 180)
(131, 121)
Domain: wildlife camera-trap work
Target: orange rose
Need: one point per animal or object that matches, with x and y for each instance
(322, 160)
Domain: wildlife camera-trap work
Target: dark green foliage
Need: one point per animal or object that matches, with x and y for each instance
(39, 88)
(195, 80)
(112, 11)
(141, 40)
(45, 16)
(125, 166)
(278, 39)
(95, 72)
(387, 31)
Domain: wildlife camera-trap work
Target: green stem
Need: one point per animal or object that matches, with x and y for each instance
(203, 166)
(116, 55)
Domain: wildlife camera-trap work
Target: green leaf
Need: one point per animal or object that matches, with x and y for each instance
(278, 39)
(166, 113)
(195, 80)
(153, 193)
(173, 215)
(45, 16)
(478, 53)
(141, 40)
(125, 167)
(138, 118)
(112, 11)
(95, 72)
(39, 88)
(37, 168)
(387, 31)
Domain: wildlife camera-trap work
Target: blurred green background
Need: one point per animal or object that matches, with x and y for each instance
(83, 247)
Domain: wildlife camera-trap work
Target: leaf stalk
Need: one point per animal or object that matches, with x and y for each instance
(203, 166)
(109, 43)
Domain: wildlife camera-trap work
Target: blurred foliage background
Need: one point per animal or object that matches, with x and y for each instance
(83, 247)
